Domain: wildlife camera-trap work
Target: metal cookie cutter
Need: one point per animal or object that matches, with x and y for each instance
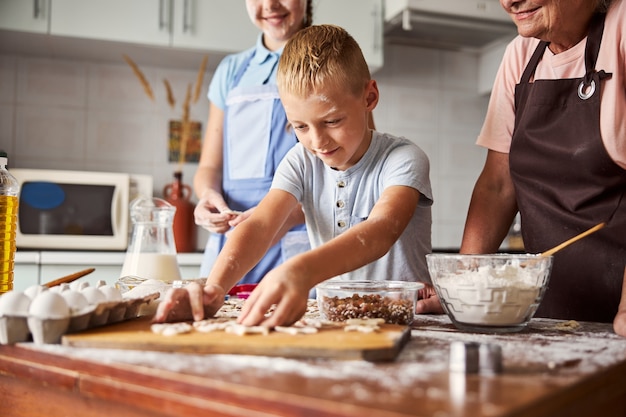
(472, 358)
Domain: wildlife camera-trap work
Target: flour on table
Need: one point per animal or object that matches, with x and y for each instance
(213, 325)
(317, 323)
(226, 320)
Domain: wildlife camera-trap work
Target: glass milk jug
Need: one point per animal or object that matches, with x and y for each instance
(151, 253)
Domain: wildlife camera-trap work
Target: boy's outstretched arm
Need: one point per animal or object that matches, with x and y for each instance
(288, 284)
(250, 240)
(245, 246)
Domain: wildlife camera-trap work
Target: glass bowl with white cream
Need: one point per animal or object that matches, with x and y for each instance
(490, 293)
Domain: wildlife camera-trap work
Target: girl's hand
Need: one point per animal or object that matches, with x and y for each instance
(213, 214)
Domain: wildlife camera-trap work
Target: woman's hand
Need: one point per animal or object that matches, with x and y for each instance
(619, 323)
(193, 302)
(428, 301)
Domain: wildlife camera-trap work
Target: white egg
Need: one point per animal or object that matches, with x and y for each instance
(34, 290)
(14, 303)
(111, 293)
(75, 300)
(94, 295)
(79, 285)
(60, 288)
(49, 305)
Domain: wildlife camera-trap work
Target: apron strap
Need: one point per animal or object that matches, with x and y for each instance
(241, 70)
(594, 38)
(587, 86)
(534, 60)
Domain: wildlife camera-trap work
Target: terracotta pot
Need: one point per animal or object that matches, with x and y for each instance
(178, 194)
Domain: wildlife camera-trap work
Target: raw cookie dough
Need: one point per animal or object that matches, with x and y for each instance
(171, 329)
(567, 325)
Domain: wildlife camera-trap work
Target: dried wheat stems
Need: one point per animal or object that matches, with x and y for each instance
(142, 78)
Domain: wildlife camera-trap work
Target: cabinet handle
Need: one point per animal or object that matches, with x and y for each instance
(378, 22)
(163, 14)
(186, 16)
(36, 9)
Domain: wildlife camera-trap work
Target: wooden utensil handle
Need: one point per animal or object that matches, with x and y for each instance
(69, 278)
(572, 240)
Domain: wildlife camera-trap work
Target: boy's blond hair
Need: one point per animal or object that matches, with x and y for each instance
(322, 56)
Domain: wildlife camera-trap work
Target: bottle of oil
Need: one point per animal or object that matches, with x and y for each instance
(9, 190)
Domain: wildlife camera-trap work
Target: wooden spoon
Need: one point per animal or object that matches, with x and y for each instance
(69, 278)
(568, 242)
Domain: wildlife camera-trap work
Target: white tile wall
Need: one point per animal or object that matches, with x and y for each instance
(8, 76)
(52, 83)
(47, 134)
(70, 114)
(7, 112)
(7, 79)
(430, 96)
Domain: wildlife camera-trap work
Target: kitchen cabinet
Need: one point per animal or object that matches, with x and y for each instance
(25, 15)
(204, 24)
(26, 272)
(25, 275)
(218, 26)
(447, 24)
(363, 19)
(215, 25)
(39, 267)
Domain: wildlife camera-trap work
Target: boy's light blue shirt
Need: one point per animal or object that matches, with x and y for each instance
(335, 200)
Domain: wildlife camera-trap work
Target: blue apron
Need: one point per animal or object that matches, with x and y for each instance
(255, 141)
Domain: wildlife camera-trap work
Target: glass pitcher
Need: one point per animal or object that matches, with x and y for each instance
(151, 253)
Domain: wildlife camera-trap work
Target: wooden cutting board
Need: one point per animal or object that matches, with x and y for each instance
(336, 343)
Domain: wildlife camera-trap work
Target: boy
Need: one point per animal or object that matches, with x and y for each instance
(366, 196)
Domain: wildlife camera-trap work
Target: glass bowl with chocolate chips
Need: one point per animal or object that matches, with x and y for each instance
(393, 301)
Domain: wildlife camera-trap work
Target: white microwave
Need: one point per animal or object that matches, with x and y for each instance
(81, 210)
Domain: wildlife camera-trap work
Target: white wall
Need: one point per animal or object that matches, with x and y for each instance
(88, 115)
(431, 97)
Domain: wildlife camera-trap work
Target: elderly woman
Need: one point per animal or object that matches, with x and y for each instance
(555, 131)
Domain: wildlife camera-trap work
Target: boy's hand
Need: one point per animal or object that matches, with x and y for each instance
(282, 287)
(193, 302)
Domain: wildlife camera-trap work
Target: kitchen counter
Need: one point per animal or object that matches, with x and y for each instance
(91, 257)
(550, 369)
(38, 267)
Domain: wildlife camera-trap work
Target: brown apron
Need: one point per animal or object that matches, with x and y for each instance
(565, 183)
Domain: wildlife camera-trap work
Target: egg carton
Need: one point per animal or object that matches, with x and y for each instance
(21, 319)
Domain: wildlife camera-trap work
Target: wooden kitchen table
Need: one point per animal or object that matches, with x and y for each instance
(550, 369)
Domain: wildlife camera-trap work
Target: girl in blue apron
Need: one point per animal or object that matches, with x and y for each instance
(255, 137)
